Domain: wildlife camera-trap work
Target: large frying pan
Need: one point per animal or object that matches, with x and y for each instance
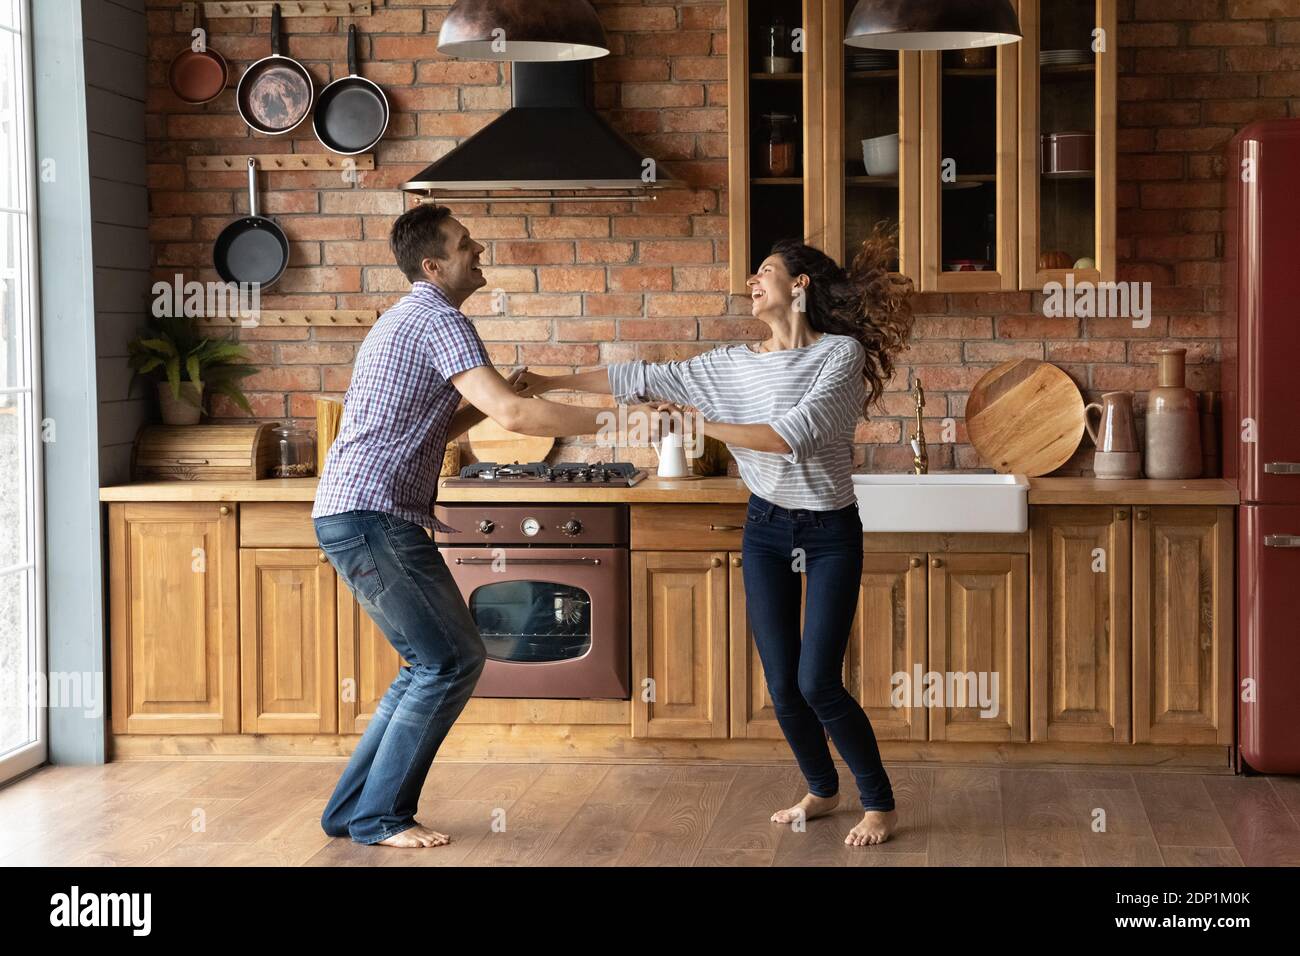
(352, 112)
(252, 249)
(198, 76)
(275, 93)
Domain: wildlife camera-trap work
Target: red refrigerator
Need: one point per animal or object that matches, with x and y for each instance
(1261, 430)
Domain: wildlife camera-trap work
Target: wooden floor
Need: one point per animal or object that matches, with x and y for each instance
(235, 813)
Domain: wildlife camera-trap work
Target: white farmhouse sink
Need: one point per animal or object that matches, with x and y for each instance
(944, 502)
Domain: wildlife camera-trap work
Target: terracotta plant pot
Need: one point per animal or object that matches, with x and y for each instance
(180, 411)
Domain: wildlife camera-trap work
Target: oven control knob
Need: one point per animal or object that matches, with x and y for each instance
(530, 526)
(571, 527)
(485, 526)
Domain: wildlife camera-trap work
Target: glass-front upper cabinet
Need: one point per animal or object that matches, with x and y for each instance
(968, 169)
(774, 113)
(1067, 141)
(872, 144)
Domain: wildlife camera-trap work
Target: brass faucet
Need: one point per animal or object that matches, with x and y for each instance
(920, 460)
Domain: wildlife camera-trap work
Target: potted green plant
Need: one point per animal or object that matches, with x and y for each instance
(170, 348)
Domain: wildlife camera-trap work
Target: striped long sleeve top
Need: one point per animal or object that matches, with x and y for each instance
(811, 396)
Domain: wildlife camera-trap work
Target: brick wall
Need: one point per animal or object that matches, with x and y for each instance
(592, 283)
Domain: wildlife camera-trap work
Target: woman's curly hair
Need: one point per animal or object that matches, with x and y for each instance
(867, 300)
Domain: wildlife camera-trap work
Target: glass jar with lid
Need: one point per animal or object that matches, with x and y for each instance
(781, 157)
(295, 453)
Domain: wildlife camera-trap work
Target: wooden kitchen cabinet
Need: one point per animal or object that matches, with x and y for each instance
(978, 617)
(1068, 213)
(174, 618)
(288, 641)
(888, 637)
(1080, 624)
(968, 171)
(1183, 609)
(367, 664)
(767, 204)
(679, 643)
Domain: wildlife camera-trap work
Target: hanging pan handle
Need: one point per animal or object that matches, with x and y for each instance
(252, 187)
(352, 50)
(275, 30)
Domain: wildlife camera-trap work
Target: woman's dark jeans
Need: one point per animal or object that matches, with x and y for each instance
(804, 677)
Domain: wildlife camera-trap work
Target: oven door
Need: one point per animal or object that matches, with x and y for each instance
(554, 620)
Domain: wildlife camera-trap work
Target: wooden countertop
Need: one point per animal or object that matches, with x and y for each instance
(1042, 491)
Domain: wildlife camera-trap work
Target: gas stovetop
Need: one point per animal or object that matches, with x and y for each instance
(613, 474)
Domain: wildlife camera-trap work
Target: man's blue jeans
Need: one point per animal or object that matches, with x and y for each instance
(804, 677)
(401, 580)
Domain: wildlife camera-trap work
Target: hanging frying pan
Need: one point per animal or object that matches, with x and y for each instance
(198, 76)
(252, 249)
(276, 92)
(352, 112)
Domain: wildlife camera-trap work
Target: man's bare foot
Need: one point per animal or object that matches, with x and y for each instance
(416, 836)
(876, 826)
(810, 806)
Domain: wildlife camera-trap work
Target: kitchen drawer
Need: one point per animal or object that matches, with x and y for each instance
(687, 527)
(276, 524)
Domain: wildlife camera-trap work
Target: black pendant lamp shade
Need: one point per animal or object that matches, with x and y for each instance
(932, 24)
(523, 30)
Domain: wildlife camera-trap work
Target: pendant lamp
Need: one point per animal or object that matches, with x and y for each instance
(525, 30)
(932, 24)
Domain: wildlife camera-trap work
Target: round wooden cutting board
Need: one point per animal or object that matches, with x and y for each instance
(1025, 417)
(490, 442)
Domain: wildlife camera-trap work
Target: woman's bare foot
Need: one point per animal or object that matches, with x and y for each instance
(876, 826)
(807, 808)
(417, 836)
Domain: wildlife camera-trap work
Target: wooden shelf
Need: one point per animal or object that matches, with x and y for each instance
(1067, 69)
(217, 9)
(776, 180)
(777, 77)
(970, 71)
(871, 181)
(871, 74)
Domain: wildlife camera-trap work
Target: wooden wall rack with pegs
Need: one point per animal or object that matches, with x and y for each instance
(283, 162)
(277, 317)
(217, 9)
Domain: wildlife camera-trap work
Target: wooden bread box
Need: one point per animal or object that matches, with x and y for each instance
(203, 452)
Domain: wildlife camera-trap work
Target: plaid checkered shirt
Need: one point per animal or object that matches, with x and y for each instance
(397, 410)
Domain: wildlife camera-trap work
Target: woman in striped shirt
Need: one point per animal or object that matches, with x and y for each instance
(787, 409)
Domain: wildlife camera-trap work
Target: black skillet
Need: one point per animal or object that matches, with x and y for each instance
(352, 112)
(252, 249)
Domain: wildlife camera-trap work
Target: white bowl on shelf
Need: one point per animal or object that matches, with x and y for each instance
(880, 155)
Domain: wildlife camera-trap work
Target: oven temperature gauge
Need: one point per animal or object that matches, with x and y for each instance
(530, 526)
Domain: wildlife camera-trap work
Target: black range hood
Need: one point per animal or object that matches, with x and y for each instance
(551, 138)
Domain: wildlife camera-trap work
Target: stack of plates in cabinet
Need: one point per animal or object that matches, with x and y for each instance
(860, 62)
(1064, 57)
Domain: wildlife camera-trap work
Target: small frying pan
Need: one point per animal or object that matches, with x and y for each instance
(276, 92)
(198, 76)
(352, 112)
(252, 249)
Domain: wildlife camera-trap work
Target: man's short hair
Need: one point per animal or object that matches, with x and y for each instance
(416, 236)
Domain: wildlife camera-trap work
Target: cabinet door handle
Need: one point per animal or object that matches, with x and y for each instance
(321, 555)
(1282, 540)
(1121, 515)
(914, 562)
(224, 509)
(726, 527)
(1282, 468)
(936, 563)
(1142, 515)
(715, 562)
(735, 562)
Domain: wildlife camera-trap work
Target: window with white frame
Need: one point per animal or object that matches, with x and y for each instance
(21, 640)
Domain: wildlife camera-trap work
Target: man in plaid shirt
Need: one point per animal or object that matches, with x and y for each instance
(375, 500)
